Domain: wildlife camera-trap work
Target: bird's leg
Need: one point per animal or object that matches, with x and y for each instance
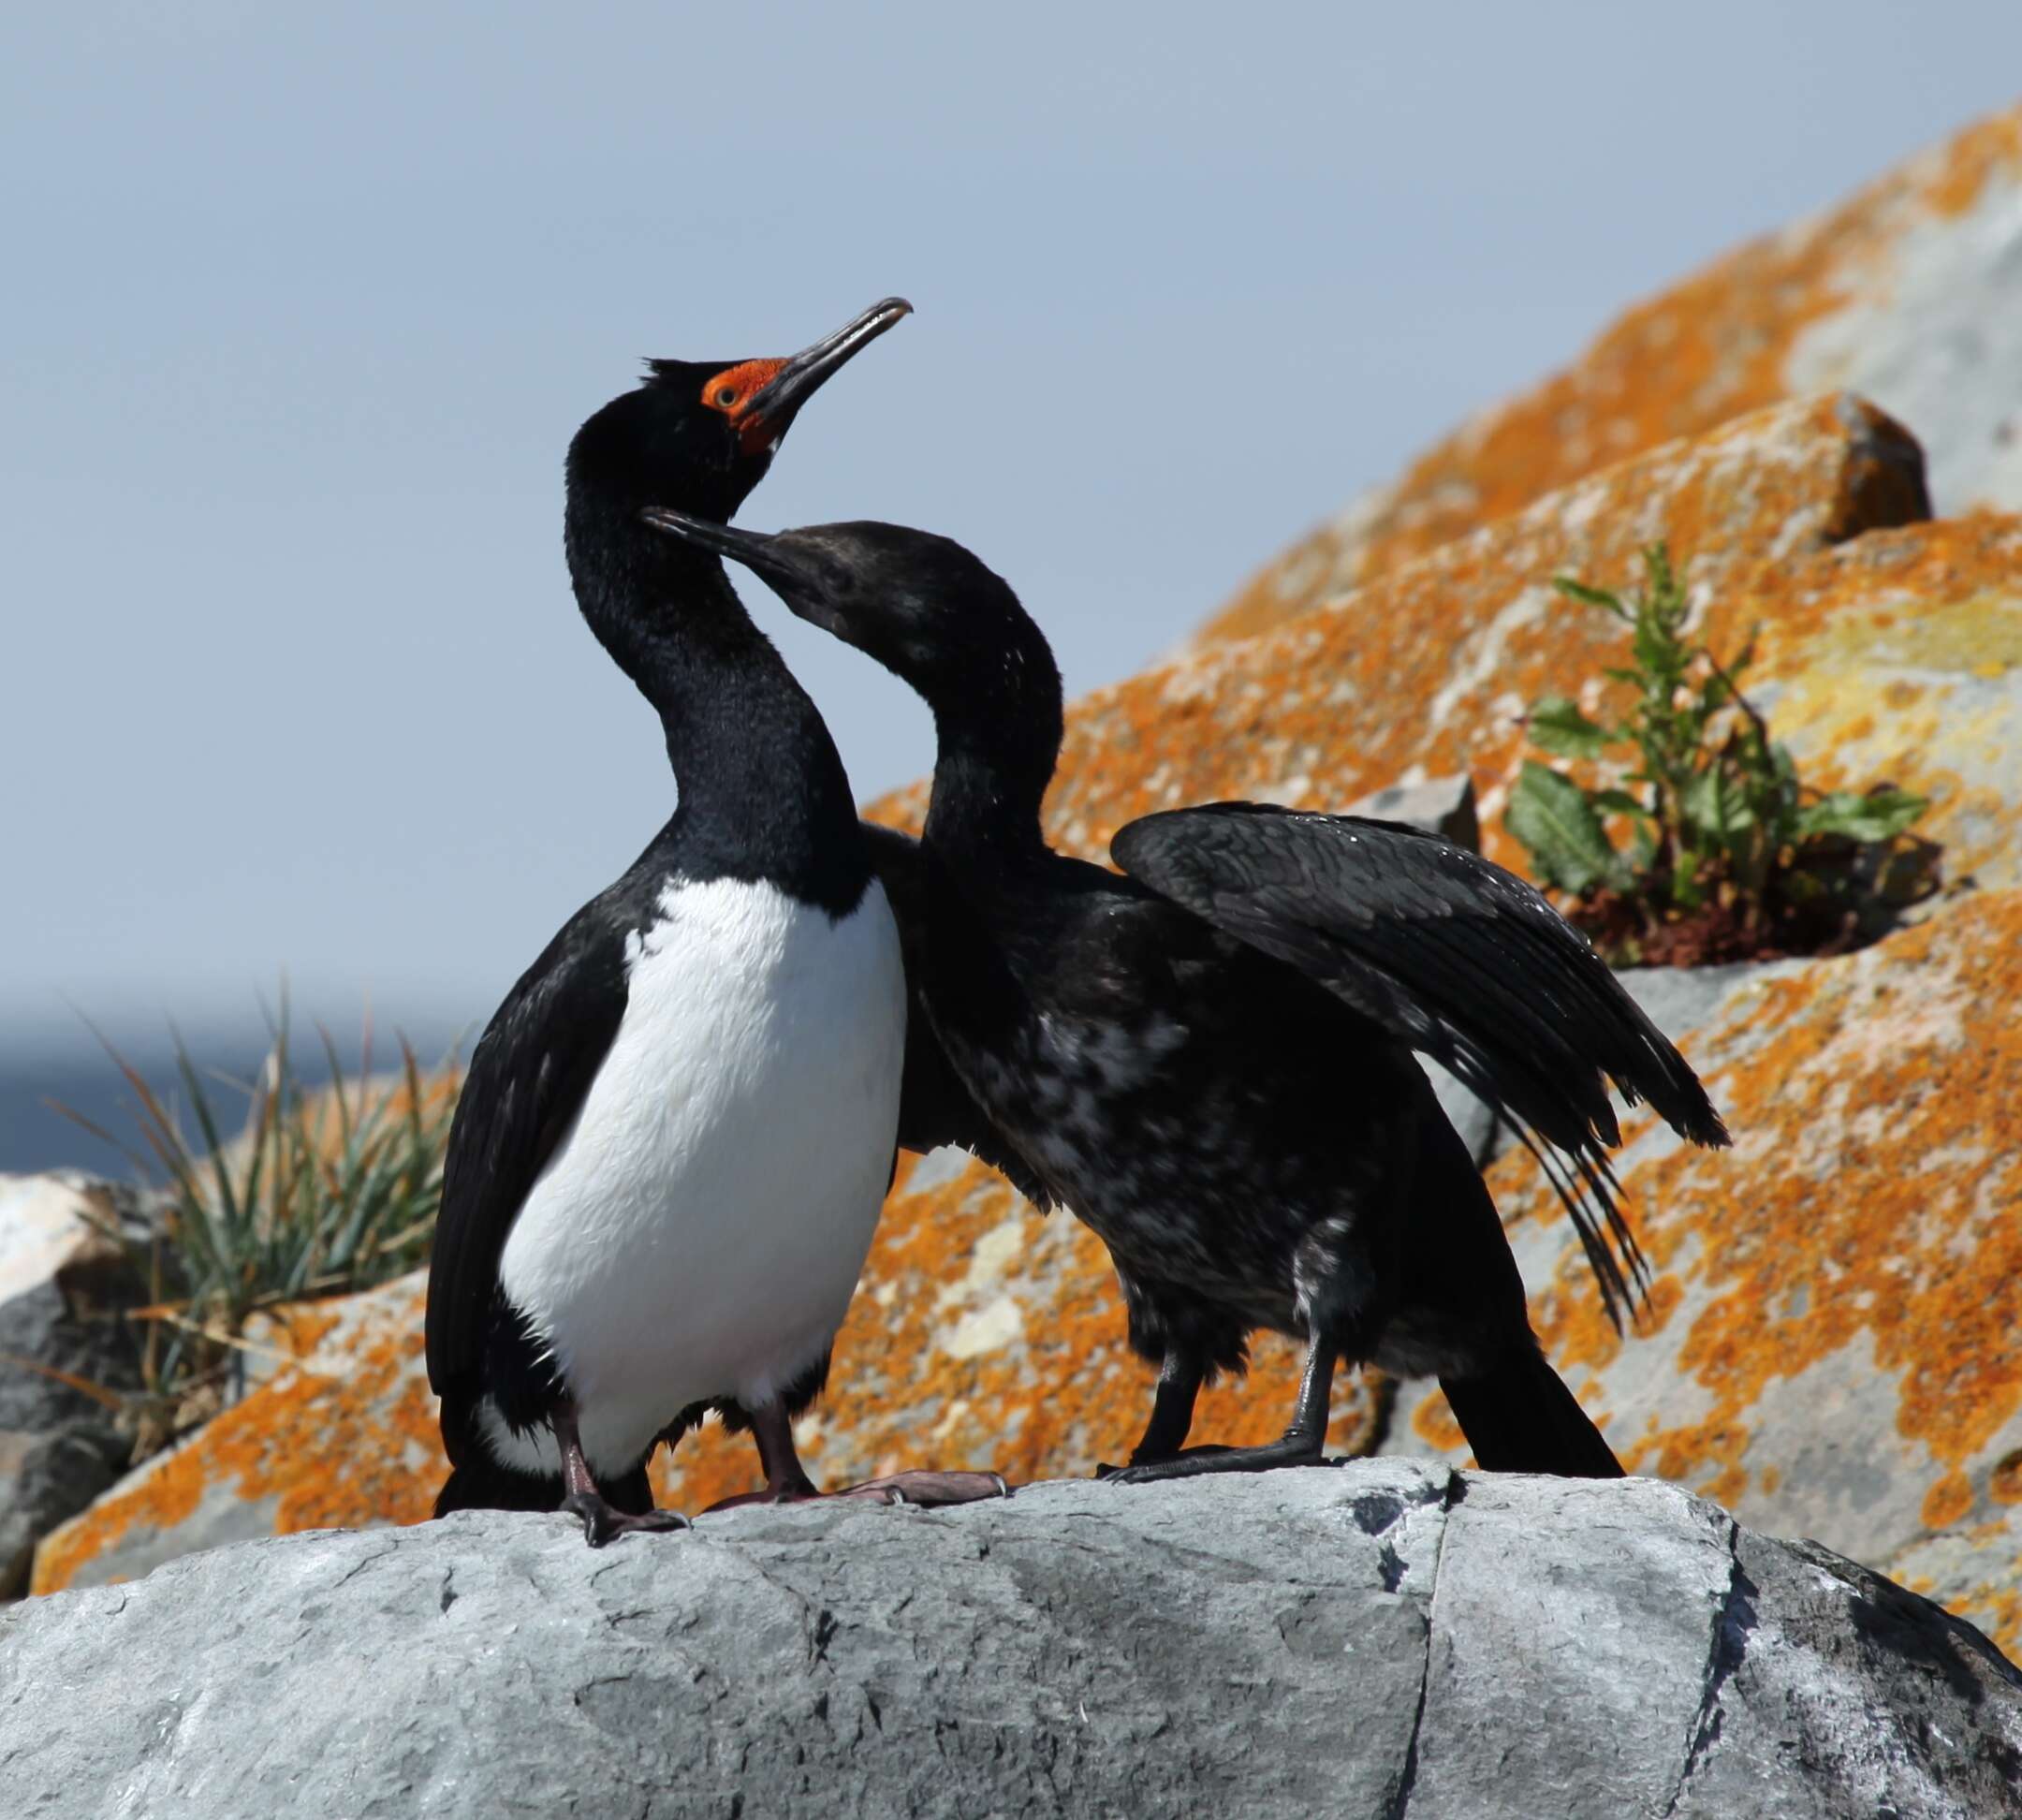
(919, 1486)
(1172, 1411)
(1301, 1445)
(602, 1520)
(787, 1480)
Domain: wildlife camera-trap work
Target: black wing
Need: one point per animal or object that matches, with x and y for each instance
(934, 1107)
(527, 1080)
(1460, 959)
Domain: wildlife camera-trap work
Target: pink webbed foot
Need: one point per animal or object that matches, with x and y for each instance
(929, 1488)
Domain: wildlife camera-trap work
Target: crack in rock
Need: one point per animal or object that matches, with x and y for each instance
(1733, 1625)
(1451, 1495)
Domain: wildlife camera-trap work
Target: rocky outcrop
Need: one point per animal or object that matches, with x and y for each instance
(1896, 648)
(984, 1335)
(1833, 1345)
(338, 1430)
(1909, 293)
(65, 1358)
(1384, 1638)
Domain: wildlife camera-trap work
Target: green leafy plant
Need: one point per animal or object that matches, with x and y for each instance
(322, 1190)
(1721, 833)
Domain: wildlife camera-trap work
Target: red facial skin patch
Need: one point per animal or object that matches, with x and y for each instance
(731, 392)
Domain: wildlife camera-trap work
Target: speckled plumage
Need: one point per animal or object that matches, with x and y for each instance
(1233, 1136)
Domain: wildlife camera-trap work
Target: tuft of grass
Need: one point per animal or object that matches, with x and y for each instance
(320, 1190)
(1729, 853)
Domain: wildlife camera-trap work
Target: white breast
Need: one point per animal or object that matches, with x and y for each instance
(698, 1232)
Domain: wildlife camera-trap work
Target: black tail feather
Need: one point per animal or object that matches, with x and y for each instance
(1520, 1418)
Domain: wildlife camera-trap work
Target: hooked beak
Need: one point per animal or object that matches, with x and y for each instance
(773, 405)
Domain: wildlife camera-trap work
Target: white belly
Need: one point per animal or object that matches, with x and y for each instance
(698, 1232)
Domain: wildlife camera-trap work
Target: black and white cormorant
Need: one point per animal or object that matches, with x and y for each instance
(1209, 1058)
(671, 1149)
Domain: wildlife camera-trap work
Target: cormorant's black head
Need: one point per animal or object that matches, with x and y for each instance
(701, 433)
(923, 606)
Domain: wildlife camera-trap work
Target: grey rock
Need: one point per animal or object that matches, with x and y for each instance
(62, 1283)
(1678, 1000)
(1932, 332)
(1486, 1136)
(1440, 805)
(1382, 1639)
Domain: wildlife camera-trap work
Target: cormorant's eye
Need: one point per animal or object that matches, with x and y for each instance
(726, 397)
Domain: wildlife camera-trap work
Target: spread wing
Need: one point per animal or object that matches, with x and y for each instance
(934, 1107)
(528, 1079)
(1460, 959)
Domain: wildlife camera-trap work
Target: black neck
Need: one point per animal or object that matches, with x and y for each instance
(762, 792)
(999, 732)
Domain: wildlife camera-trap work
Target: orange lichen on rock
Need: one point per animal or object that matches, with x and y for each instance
(1844, 1356)
(985, 1335)
(1710, 347)
(1898, 656)
(343, 1435)
(1862, 1239)
(1427, 672)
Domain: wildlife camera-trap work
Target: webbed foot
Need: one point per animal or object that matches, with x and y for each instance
(929, 1488)
(1197, 1461)
(604, 1523)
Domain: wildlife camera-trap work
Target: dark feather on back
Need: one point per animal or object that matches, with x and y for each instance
(1456, 957)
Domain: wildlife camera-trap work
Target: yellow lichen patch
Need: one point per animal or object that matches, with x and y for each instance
(1870, 652)
(1714, 346)
(1898, 656)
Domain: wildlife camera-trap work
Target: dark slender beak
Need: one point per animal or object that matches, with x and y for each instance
(755, 549)
(746, 547)
(805, 374)
(787, 572)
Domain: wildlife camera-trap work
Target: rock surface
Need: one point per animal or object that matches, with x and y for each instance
(1770, 510)
(1833, 1341)
(1909, 293)
(64, 1361)
(340, 1431)
(1384, 1638)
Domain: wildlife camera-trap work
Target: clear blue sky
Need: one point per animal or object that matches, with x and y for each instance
(303, 304)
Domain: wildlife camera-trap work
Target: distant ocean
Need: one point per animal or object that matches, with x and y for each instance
(34, 1137)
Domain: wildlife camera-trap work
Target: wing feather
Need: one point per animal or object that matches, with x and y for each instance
(1455, 956)
(528, 1078)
